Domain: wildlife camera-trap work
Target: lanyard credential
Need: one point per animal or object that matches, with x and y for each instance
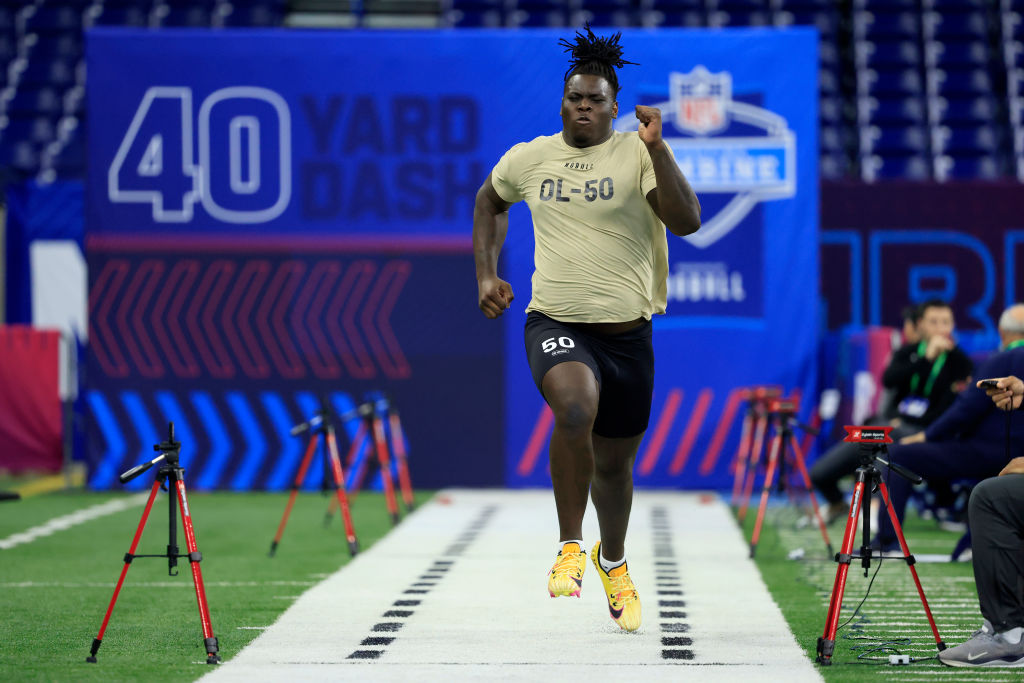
(936, 369)
(1014, 344)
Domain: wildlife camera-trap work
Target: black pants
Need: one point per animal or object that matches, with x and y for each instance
(945, 461)
(996, 514)
(842, 460)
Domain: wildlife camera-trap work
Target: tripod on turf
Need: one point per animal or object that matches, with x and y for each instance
(872, 441)
(755, 426)
(169, 475)
(320, 427)
(784, 413)
(381, 449)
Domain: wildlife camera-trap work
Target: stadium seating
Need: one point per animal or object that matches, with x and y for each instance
(908, 88)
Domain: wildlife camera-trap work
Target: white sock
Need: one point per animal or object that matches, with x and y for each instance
(1012, 636)
(577, 542)
(608, 565)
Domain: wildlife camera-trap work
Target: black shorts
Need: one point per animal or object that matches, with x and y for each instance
(622, 363)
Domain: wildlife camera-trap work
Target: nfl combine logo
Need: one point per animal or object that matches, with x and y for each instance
(732, 148)
(699, 99)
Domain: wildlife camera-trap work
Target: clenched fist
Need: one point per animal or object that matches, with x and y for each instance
(495, 296)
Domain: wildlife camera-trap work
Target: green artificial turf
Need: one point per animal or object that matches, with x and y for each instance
(56, 589)
(891, 619)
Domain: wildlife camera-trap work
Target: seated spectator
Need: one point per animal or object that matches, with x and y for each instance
(968, 440)
(910, 333)
(922, 380)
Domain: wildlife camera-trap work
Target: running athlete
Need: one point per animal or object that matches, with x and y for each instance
(600, 201)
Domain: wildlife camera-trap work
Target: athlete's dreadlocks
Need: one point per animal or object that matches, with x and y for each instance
(595, 56)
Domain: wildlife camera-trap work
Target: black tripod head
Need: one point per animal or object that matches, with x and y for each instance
(169, 451)
(169, 448)
(323, 417)
(784, 410)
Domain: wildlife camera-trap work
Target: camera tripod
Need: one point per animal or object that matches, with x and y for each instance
(872, 442)
(783, 411)
(748, 454)
(372, 413)
(320, 427)
(169, 475)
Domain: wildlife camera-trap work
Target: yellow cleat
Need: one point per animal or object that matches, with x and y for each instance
(623, 602)
(566, 577)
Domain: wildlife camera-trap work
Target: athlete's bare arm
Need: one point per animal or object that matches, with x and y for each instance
(673, 200)
(490, 223)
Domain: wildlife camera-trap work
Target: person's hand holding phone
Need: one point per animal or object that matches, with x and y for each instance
(1005, 392)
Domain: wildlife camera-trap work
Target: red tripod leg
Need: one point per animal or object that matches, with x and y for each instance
(827, 642)
(381, 445)
(398, 447)
(98, 640)
(755, 459)
(798, 458)
(742, 455)
(299, 478)
(353, 452)
(339, 492)
(769, 479)
(350, 458)
(910, 564)
(194, 558)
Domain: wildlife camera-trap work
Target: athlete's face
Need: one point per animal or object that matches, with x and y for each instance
(588, 107)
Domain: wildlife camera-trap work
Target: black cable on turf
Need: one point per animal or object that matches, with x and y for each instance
(864, 599)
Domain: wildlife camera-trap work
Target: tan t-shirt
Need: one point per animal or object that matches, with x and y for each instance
(602, 253)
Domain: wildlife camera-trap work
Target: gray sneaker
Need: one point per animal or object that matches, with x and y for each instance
(984, 648)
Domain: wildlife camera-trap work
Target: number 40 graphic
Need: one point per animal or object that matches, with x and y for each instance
(243, 170)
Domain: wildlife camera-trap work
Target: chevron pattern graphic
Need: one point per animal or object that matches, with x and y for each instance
(248, 318)
(230, 440)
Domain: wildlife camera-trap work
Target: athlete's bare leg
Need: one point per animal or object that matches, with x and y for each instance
(572, 392)
(612, 490)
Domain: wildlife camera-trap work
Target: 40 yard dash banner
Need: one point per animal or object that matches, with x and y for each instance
(274, 217)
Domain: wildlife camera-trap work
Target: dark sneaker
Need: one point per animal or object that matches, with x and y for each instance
(984, 648)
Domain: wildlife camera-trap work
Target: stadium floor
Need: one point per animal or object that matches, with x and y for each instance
(458, 592)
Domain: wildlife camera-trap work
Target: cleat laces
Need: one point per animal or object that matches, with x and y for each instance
(622, 590)
(566, 566)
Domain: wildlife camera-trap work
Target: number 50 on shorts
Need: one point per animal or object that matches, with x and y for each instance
(549, 345)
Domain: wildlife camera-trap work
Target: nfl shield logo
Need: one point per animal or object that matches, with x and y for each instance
(699, 99)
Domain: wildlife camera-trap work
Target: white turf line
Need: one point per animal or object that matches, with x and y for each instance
(490, 617)
(72, 519)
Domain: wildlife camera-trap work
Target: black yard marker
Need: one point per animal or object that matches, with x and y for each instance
(377, 640)
(668, 583)
(434, 573)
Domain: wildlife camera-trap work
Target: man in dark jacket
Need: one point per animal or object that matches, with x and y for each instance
(968, 441)
(922, 380)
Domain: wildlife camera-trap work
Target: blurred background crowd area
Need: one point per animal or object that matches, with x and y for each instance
(909, 89)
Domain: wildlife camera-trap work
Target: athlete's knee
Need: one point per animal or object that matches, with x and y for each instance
(574, 415)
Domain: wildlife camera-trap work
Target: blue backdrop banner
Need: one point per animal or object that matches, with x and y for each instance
(304, 201)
